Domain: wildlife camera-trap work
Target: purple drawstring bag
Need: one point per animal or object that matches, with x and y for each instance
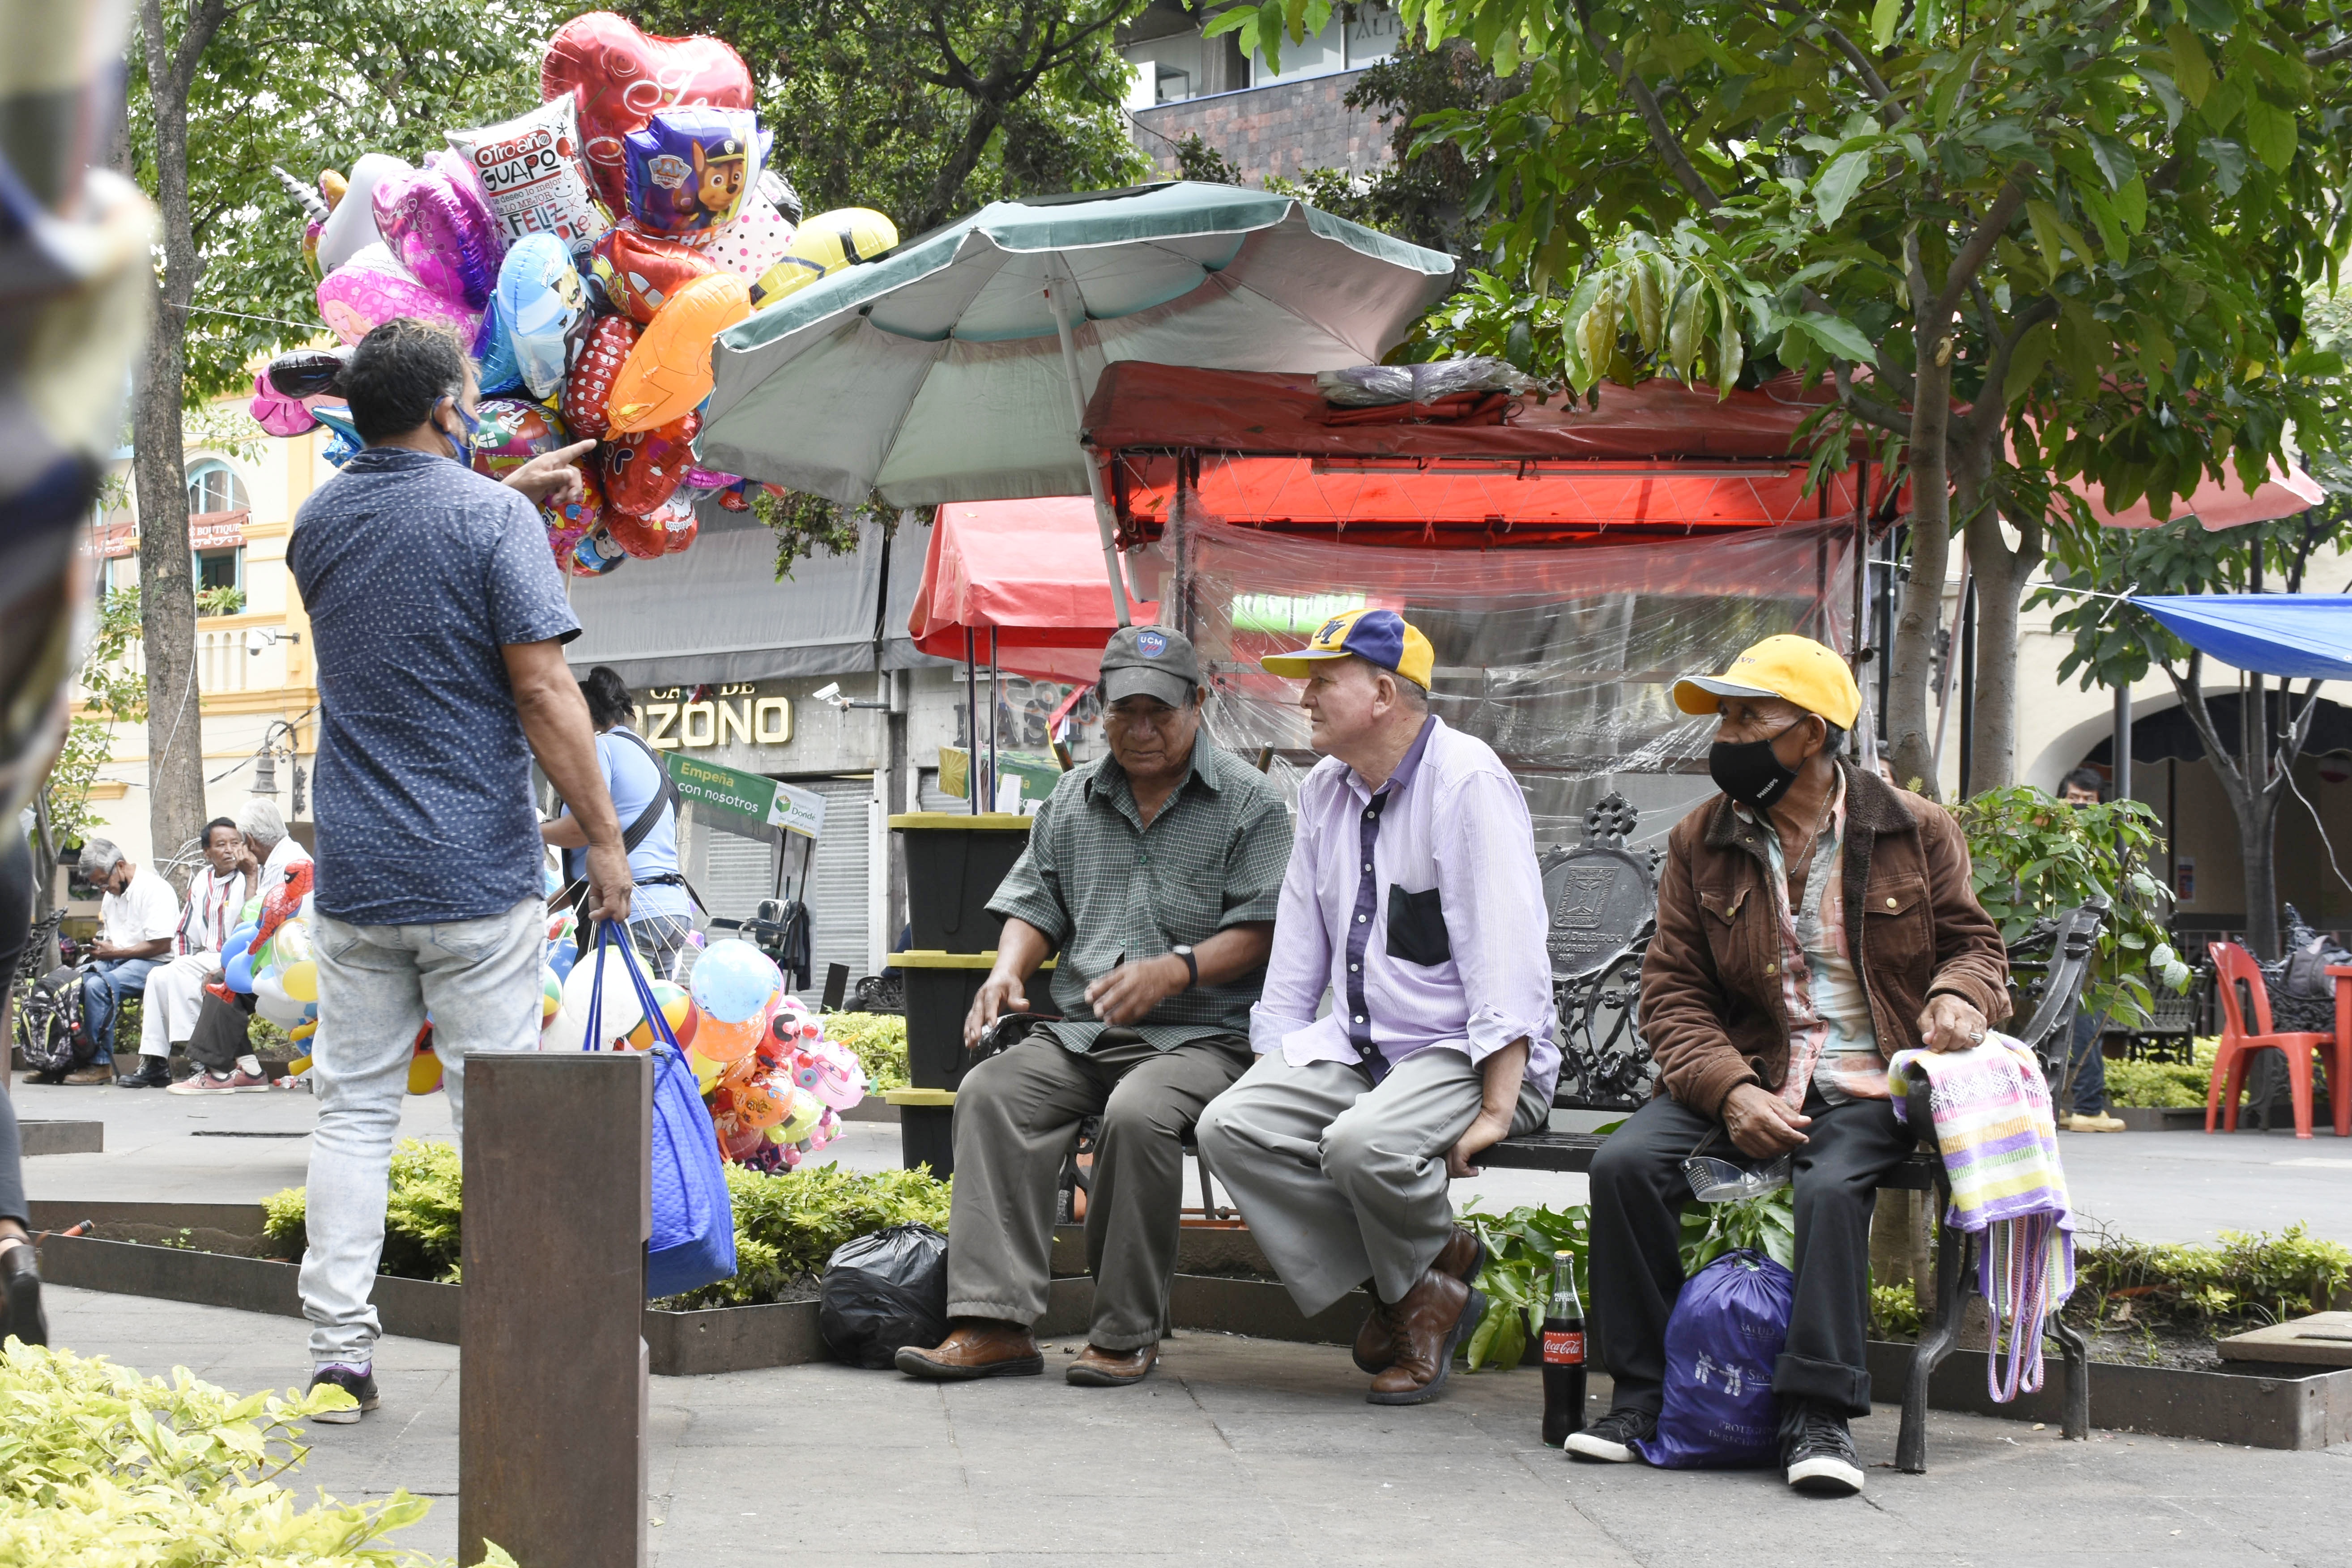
(1728, 1327)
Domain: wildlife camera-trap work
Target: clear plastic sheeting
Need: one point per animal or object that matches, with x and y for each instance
(1561, 659)
(1377, 385)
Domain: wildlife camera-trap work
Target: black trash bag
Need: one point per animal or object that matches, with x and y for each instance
(884, 1291)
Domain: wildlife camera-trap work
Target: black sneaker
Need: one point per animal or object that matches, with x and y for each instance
(1610, 1439)
(20, 1309)
(154, 1072)
(1817, 1450)
(359, 1382)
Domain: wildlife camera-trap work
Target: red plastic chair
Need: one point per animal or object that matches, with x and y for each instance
(2232, 964)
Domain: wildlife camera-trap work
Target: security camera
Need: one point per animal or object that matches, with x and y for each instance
(829, 692)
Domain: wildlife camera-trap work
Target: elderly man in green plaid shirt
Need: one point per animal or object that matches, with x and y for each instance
(1155, 872)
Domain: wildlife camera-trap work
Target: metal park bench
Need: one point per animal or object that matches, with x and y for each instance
(1603, 902)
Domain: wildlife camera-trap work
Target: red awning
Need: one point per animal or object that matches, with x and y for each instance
(1031, 571)
(1266, 450)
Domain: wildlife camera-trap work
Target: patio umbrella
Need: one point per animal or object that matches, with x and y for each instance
(2297, 637)
(957, 367)
(2218, 503)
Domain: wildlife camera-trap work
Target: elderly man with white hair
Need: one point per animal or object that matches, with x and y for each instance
(268, 850)
(138, 917)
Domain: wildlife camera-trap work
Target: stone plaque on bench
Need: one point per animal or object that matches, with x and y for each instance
(1599, 900)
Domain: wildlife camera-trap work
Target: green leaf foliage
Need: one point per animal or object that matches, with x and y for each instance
(2031, 858)
(101, 1468)
(881, 1041)
(2175, 1086)
(2251, 1277)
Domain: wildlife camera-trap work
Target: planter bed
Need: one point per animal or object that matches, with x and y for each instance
(2159, 1119)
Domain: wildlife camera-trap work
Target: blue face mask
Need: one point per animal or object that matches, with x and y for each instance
(462, 452)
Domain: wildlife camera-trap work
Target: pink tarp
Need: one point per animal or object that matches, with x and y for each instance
(1031, 571)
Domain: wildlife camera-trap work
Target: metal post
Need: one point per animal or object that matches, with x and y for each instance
(972, 721)
(994, 679)
(552, 1391)
(1967, 659)
(2123, 758)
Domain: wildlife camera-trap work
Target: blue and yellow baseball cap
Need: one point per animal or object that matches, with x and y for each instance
(1378, 636)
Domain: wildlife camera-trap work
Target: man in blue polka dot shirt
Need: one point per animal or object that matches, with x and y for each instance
(439, 620)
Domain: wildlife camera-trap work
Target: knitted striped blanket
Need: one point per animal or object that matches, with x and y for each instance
(1999, 1145)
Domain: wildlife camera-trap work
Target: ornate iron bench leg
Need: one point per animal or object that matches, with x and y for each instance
(1951, 1295)
(2077, 1423)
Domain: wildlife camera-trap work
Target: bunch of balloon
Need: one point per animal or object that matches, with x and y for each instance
(588, 251)
(268, 956)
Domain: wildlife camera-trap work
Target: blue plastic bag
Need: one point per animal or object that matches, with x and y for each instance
(692, 1239)
(1728, 1327)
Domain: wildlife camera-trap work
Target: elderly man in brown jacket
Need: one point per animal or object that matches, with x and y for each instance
(1812, 920)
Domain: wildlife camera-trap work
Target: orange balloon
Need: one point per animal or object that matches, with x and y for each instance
(668, 370)
(758, 1105)
(722, 1041)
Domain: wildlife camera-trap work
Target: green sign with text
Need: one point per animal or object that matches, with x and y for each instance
(767, 802)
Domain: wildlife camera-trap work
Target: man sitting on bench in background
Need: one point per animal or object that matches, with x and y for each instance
(1812, 920)
(1155, 871)
(1414, 900)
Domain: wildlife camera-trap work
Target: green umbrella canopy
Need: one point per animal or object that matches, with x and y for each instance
(939, 373)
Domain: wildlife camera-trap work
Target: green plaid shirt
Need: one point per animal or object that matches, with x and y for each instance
(1108, 890)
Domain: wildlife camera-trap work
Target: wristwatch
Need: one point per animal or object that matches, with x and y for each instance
(1190, 963)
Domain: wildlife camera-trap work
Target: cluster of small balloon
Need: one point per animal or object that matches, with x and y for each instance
(269, 954)
(774, 1084)
(581, 325)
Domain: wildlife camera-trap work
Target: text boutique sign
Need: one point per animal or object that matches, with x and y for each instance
(724, 716)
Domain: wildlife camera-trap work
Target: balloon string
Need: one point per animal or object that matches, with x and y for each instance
(242, 316)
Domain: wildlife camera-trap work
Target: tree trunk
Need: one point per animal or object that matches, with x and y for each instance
(2001, 574)
(1910, 730)
(175, 768)
(2257, 834)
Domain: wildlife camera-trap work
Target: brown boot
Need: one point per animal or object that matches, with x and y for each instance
(1463, 1256)
(1428, 1324)
(1099, 1368)
(976, 1347)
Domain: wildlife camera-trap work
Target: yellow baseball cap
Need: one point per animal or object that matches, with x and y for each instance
(1793, 669)
(1378, 637)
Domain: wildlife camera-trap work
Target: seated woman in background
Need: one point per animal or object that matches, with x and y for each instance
(660, 918)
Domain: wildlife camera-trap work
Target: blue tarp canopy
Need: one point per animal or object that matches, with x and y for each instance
(2303, 636)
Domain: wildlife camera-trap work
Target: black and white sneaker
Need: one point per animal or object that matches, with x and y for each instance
(1817, 1451)
(359, 1382)
(1610, 1439)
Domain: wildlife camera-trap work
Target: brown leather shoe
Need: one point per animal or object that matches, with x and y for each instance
(1099, 1368)
(1463, 1256)
(976, 1347)
(1429, 1322)
(82, 1077)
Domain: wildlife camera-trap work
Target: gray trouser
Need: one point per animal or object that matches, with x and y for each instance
(1015, 1117)
(479, 979)
(1341, 1182)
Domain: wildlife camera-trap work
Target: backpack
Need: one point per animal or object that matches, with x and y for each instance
(49, 1029)
(1727, 1329)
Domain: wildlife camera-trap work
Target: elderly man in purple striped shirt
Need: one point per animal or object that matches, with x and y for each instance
(1413, 898)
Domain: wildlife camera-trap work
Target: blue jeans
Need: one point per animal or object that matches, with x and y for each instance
(2089, 1065)
(103, 985)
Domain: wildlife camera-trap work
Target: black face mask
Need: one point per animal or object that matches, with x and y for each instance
(1749, 772)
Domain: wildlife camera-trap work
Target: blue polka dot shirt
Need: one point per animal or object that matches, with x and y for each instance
(416, 573)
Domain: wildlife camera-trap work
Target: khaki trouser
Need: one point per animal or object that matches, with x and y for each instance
(1341, 1182)
(1016, 1116)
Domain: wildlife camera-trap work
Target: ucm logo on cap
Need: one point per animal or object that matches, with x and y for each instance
(1381, 637)
(1793, 669)
(1152, 644)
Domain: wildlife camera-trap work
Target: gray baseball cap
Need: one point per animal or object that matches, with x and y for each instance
(1151, 661)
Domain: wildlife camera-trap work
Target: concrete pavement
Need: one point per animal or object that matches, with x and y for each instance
(1243, 1450)
(2152, 1186)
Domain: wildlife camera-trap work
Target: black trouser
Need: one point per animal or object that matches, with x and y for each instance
(1638, 1194)
(219, 1036)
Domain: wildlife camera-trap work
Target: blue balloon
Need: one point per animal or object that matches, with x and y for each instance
(498, 372)
(237, 947)
(561, 956)
(543, 308)
(733, 980)
(243, 935)
(238, 974)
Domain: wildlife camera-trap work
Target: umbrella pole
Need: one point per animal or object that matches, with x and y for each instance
(1078, 414)
(993, 678)
(971, 723)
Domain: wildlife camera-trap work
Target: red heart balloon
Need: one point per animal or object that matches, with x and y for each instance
(643, 469)
(643, 537)
(622, 76)
(640, 272)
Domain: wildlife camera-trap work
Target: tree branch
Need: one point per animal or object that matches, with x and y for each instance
(2190, 689)
(1980, 246)
(2338, 50)
(1885, 415)
(1985, 420)
(1662, 136)
(1871, 79)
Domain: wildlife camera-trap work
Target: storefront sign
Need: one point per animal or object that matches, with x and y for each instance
(216, 529)
(765, 801)
(724, 716)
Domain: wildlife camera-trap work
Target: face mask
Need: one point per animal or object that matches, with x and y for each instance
(462, 451)
(1749, 771)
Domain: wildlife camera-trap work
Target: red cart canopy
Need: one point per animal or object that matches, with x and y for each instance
(1030, 571)
(1264, 449)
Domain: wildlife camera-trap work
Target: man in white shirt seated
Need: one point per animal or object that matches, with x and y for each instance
(216, 1040)
(175, 989)
(137, 920)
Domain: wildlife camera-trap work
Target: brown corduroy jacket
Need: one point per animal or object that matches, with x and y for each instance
(1711, 1004)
